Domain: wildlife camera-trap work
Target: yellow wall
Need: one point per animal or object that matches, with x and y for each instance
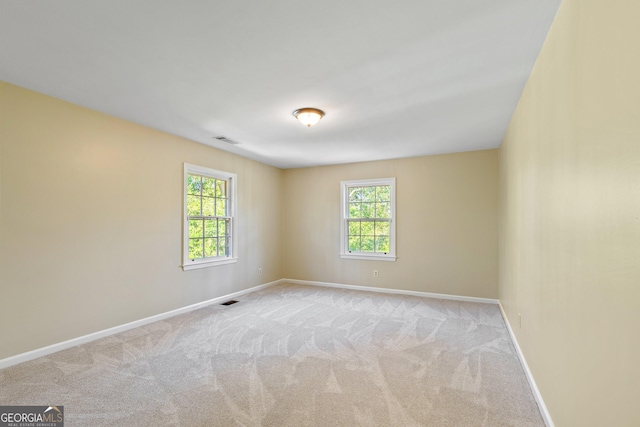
(570, 216)
(446, 224)
(91, 222)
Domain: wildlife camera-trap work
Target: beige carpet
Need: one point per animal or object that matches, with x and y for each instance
(292, 355)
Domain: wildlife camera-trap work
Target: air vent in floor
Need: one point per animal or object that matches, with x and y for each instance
(225, 139)
(229, 302)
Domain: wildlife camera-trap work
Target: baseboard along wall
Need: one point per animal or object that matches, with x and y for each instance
(392, 291)
(532, 382)
(44, 351)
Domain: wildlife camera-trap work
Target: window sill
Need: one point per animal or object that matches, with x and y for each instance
(206, 264)
(369, 257)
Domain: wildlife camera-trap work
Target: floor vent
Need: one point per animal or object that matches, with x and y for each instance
(225, 139)
(229, 302)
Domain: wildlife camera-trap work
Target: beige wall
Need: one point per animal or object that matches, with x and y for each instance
(570, 216)
(446, 224)
(90, 222)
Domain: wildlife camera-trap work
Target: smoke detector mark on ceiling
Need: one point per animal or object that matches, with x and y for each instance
(225, 139)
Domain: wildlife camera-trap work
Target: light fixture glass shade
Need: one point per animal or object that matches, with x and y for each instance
(308, 116)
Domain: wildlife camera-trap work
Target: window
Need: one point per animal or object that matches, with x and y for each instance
(209, 217)
(368, 215)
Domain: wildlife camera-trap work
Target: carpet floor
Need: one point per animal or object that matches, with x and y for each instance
(292, 355)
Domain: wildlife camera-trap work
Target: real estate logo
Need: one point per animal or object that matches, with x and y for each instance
(31, 416)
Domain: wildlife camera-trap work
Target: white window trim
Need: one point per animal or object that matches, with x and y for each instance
(344, 215)
(188, 264)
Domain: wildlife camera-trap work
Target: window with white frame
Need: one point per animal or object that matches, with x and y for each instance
(368, 219)
(209, 217)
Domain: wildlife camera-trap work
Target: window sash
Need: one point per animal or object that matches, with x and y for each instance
(216, 237)
(209, 200)
(370, 243)
(370, 236)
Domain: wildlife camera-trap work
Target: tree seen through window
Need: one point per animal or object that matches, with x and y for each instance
(369, 215)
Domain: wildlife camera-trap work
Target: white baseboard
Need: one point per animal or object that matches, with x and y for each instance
(44, 351)
(534, 388)
(392, 291)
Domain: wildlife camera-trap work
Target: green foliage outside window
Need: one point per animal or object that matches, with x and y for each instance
(368, 218)
(208, 216)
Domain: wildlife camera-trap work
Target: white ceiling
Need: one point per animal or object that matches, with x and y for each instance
(396, 78)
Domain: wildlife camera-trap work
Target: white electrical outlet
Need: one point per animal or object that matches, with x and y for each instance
(375, 273)
(520, 320)
(260, 271)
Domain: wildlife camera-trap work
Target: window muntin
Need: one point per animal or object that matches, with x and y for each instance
(368, 219)
(207, 212)
(209, 217)
(368, 209)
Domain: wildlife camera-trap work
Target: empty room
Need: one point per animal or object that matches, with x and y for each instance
(346, 213)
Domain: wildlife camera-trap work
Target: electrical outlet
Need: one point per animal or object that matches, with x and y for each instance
(375, 273)
(520, 320)
(260, 271)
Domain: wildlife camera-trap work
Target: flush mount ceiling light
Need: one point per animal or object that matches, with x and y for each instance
(308, 116)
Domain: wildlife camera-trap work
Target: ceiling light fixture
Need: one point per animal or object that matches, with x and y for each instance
(308, 116)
